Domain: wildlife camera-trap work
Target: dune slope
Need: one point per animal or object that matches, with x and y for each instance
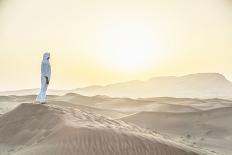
(32, 129)
(209, 129)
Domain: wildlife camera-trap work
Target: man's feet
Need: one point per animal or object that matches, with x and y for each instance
(37, 102)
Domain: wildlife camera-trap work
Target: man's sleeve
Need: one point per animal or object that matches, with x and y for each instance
(45, 69)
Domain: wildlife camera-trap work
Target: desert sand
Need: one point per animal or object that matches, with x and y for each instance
(102, 125)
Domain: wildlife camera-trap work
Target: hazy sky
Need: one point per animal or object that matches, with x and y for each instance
(107, 41)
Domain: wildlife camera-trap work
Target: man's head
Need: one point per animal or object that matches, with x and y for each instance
(46, 56)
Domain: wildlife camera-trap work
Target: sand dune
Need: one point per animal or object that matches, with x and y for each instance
(119, 106)
(210, 128)
(127, 105)
(104, 112)
(159, 104)
(37, 129)
(193, 122)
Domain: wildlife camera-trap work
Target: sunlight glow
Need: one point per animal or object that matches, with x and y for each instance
(130, 48)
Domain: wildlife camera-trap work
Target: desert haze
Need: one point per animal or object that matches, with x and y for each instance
(201, 85)
(71, 123)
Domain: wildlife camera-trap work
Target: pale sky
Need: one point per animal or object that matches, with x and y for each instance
(107, 41)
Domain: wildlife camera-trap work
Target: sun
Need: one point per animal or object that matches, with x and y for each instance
(130, 48)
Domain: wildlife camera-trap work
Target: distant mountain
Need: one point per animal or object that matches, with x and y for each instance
(201, 85)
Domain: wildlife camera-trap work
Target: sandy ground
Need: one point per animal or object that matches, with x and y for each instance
(76, 124)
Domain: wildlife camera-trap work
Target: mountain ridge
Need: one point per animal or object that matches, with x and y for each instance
(199, 85)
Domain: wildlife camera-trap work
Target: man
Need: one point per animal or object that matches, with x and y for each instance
(45, 78)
